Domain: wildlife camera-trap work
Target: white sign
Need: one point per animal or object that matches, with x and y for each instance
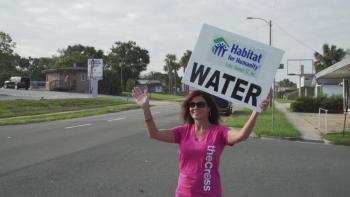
(232, 67)
(95, 68)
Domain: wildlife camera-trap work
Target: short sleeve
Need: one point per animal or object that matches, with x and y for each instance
(224, 131)
(179, 132)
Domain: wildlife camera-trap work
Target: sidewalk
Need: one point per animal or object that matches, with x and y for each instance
(307, 123)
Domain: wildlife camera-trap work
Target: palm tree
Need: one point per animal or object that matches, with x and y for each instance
(171, 66)
(331, 55)
(183, 63)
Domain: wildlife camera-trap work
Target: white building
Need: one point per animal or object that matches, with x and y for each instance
(334, 80)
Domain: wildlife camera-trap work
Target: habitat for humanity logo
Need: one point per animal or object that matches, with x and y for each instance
(237, 56)
(220, 47)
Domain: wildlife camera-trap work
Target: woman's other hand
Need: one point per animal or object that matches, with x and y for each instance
(140, 97)
(265, 103)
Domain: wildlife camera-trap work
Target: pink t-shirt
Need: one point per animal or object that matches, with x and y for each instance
(199, 160)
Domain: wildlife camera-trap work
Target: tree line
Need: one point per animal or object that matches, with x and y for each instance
(122, 65)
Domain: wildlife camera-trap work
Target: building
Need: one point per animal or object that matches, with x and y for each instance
(330, 80)
(151, 85)
(334, 80)
(73, 79)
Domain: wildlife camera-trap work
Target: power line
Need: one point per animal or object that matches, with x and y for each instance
(297, 40)
(256, 29)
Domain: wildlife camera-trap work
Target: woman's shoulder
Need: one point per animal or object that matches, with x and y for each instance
(183, 127)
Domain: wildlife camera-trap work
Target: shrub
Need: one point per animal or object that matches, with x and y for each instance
(333, 104)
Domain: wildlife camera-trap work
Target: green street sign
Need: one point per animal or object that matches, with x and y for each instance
(281, 66)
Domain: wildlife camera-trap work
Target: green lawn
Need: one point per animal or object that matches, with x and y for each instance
(263, 127)
(159, 96)
(284, 100)
(13, 108)
(338, 138)
(29, 111)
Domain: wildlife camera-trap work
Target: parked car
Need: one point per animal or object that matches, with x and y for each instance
(17, 83)
(224, 106)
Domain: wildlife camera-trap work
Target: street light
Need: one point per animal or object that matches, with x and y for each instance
(269, 22)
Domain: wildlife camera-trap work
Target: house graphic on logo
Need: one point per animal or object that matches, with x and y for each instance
(220, 46)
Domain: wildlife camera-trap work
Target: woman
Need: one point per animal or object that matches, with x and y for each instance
(201, 141)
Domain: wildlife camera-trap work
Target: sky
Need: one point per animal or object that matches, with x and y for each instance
(41, 27)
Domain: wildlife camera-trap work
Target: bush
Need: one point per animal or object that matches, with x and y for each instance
(333, 104)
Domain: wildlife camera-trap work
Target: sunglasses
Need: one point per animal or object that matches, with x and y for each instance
(199, 104)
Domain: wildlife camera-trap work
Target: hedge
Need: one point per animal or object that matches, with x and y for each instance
(334, 104)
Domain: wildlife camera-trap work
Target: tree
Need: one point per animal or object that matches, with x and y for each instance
(129, 60)
(171, 66)
(8, 61)
(184, 59)
(110, 83)
(330, 56)
(183, 63)
(287, 83)
(37, 65)
(130, 84)
(6, 43)
(77, 55)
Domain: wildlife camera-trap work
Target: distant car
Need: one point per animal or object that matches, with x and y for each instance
(17, 83)
(224, 106)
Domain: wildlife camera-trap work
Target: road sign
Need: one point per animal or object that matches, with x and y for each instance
(95, 68)
(281, 66)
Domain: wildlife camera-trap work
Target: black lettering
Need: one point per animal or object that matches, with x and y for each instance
(199, 72)
(214, 81)
(253, 92)
(238, 88)
(227, 82)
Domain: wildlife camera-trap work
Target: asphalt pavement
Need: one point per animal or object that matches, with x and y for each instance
(111, 155)
(138, 166)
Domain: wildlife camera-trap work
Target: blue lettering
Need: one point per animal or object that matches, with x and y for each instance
(246, 53)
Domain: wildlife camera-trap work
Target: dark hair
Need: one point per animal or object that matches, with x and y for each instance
(214, 116)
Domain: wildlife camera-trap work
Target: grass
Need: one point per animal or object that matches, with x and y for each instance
(284, 100)
(338, 138)
(13, 108)
(30, 111)
(263, 126)
(159, 96)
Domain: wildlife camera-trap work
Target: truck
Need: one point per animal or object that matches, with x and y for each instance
(224, 106)
(17, 82)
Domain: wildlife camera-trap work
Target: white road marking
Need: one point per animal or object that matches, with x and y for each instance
(82, 125)
(116, 119)
(157, 112)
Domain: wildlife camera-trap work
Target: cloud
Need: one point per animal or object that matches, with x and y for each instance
(40, 27)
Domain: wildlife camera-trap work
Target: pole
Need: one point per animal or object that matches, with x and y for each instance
(273, 85)
(121, 78)
(269, 22)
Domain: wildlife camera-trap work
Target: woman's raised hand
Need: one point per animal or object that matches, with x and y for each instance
(140, 97)
(265, 103)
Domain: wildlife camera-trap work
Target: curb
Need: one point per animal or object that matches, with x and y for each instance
(329, 142)
(298, 139)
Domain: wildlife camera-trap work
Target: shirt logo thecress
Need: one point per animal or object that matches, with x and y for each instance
(241, 58)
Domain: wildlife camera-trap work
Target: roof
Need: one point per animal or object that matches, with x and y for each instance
(143, 82)
(339, 70)
(65, 69)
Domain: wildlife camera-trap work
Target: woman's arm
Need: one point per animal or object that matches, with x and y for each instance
(235, 136)
(165, 135)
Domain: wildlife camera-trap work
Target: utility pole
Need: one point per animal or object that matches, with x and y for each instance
(269, 22)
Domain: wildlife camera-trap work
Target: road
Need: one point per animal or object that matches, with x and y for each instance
(110, 155)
